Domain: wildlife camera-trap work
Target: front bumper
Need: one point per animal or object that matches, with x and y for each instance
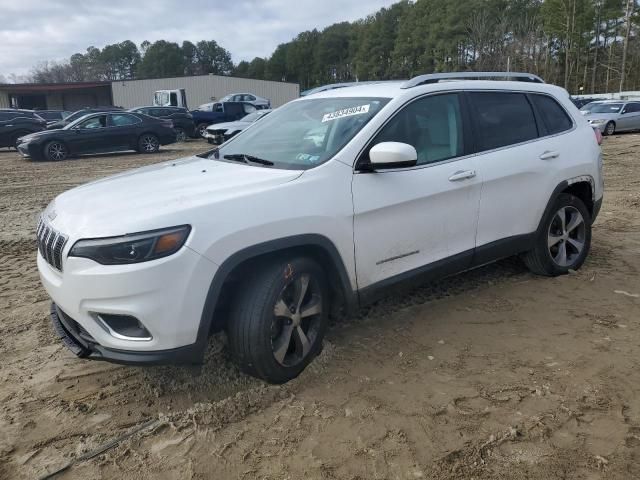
(83, 345)
(599, 126)
(166, 296)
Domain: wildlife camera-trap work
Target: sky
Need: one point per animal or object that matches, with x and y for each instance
(32, 31)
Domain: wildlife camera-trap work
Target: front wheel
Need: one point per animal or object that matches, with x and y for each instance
(279, 319)
(564, 240)
(55, 151)
(148, 143)
(610, 129)
(201, 128)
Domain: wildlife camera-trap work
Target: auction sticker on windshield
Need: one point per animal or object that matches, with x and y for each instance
(346, 112)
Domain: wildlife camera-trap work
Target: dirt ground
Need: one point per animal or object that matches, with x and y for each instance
(491, 374)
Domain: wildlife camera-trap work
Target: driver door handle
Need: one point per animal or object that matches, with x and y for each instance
(462, 175)
(548, 155)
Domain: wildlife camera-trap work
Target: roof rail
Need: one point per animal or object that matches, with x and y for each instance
(440, 77)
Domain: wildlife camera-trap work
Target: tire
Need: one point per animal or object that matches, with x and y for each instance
(566, 228)
(610, 128)
(201, 128)
(55, 151)
(148, 143)
(181, 135)
(267, 321)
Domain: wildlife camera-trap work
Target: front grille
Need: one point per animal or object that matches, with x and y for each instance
(50, 244)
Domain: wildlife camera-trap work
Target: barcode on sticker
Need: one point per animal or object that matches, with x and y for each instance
(346, 112)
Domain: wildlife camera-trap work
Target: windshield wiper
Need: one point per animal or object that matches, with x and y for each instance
(248, 158)
(238, 157)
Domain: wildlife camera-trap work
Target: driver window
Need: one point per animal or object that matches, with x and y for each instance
(433, 125)
(94, 122)
(217, 108)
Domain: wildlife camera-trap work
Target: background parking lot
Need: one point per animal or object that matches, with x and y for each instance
(494, 373)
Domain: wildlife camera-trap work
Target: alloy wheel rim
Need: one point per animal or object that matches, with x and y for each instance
(611, 129)
(57, 151)
(566, 237)
(296, 320)
(180, 135)
(202, 130)
(149, 144)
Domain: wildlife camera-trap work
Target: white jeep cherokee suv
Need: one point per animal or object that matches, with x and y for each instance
(326, 202)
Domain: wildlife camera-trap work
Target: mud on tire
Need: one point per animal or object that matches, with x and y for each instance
(279, 318)
(564, 239)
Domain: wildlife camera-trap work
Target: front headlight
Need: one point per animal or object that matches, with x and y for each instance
(597, 121)
(132, 248)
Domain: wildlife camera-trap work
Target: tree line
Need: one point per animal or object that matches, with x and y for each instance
(587, 46)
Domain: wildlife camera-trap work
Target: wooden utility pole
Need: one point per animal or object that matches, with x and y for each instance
(630, 5)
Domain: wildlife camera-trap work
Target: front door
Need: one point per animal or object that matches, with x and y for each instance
(630, 117)
(90, 135)
(407, 219)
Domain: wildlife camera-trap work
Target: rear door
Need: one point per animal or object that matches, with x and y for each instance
(123, 130)
(409, 218)
(519, 154)
(6, 127)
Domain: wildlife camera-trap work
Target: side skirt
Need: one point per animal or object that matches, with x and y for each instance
(447, 267)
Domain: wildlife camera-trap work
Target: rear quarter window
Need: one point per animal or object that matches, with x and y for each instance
(555, 118)
(502, 119)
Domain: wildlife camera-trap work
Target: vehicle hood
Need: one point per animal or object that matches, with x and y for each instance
(601, 116)
(43, 134)
(158, 196)
(229, 126)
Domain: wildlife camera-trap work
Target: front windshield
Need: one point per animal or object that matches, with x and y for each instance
(75, 115)
(75, 121)
(588, 106)
(305, 133)
(252, 117)
(606, 108)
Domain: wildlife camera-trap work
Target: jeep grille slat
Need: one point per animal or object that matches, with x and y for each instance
(50, 244)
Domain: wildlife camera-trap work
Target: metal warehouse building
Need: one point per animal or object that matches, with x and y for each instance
(133, 93)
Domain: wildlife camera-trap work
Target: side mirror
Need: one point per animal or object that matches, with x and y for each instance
(392, 155)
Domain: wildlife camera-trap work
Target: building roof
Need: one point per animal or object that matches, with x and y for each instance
(49, 87)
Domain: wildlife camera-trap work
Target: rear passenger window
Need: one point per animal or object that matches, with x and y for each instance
(433, 125)
(502, 119)
(553, 115)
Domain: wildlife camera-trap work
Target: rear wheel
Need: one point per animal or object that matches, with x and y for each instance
(55, 151)
(610, 129)
(181, 135)
(148, 143)
(279, 319)
(564, 240)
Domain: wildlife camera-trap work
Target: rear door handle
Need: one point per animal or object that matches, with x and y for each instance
(549, 155)
(462, 175)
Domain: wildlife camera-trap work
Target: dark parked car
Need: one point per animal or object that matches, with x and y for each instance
(99, 132)
(53, 115)
(218, 112)
(182, 120)
(221, 132)
(17, 123)
(79, 113)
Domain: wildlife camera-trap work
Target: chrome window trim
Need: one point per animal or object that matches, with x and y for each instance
(470, 155)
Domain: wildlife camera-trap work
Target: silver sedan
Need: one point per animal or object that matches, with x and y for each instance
(615, 116)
